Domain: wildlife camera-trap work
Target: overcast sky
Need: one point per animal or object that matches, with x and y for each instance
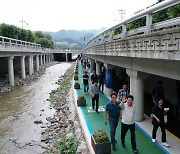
(54, 15)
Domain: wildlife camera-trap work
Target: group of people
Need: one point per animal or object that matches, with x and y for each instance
(95, 88)
(122, 107)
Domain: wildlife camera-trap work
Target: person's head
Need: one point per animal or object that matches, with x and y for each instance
(130, 99)
(113, 97)
(160, 83)
(96, 82)
(94, 72)
(124, 86)
(160, 102)
(86, 72)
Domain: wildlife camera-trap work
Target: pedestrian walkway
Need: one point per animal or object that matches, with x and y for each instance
(95, 121)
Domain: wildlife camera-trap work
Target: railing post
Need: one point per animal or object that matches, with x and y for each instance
(148, 23)
(124, 30)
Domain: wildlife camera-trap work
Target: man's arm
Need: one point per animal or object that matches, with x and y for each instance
(124, 99)
(105, 117)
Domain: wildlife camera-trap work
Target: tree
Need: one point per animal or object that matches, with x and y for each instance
(44, 42)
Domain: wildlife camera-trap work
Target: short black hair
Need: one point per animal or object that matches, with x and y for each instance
(85, 71)
(114, 94)
(130, 96)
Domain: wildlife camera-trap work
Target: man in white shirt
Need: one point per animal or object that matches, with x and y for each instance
(128, 111)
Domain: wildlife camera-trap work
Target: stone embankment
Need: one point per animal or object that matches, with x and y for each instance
(65, 122)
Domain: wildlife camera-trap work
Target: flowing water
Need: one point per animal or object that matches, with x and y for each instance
(21, 107)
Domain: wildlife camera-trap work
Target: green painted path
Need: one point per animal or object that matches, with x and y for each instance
(95, 121)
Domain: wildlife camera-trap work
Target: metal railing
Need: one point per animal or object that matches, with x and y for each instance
(147, 29)
(5, 41)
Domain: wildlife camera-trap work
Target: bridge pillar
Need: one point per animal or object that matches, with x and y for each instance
(66, 57)
(108, 79)
(49, 57)
(44, 59)
(32, 60)
(23, 72)
(98, 67)
(11, 70)
(37, 62)
(137, 90)
(30, 65)
(92, 63)
(40, 59)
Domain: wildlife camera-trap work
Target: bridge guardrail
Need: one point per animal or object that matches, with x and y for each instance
(147, 29)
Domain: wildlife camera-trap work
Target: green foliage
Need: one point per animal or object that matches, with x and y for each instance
(117, 31)
(67, 145)
(44, 42)
(14, 32)
(100, 136)
(65, 85)
(80, 97)
(44, 39)
(9, 31)
(159, 16)
(136, 23)
(106, 35)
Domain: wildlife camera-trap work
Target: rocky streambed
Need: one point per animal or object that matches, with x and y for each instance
(64, 123)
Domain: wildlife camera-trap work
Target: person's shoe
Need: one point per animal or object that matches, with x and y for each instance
(113, 147)
(123, 144)
(153, 140)
(165, 144)
(134, 150)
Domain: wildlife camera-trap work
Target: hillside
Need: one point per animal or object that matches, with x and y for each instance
(73, 36)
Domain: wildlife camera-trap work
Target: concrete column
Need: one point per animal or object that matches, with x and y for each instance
(52, 57)
(137, 90)
(124, 30)
(23, 72)
(108, 80)
(44, 59)
(92, 63)
(66, 57)
(49, 58)
(30, 66)
(37, 62)
(41, 60)
(98, 67)
(32, 60)
(148, 23)
(11, 70)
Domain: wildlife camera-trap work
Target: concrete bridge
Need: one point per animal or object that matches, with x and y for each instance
(146, 53)
(17, 53)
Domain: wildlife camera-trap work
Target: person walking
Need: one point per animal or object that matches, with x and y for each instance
(158, 121)
(86, 82)
(112, 109)
(101, 82)
(124, 92)
(95, 95)
(128, 111)
(94, 77)
(158, 92)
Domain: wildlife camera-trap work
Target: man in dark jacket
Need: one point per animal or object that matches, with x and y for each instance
(94, 77)
(158, 120)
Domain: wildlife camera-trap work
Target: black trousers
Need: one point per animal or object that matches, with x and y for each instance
(124, 130)
(96, 98)
(155, 127)
(113, 122)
